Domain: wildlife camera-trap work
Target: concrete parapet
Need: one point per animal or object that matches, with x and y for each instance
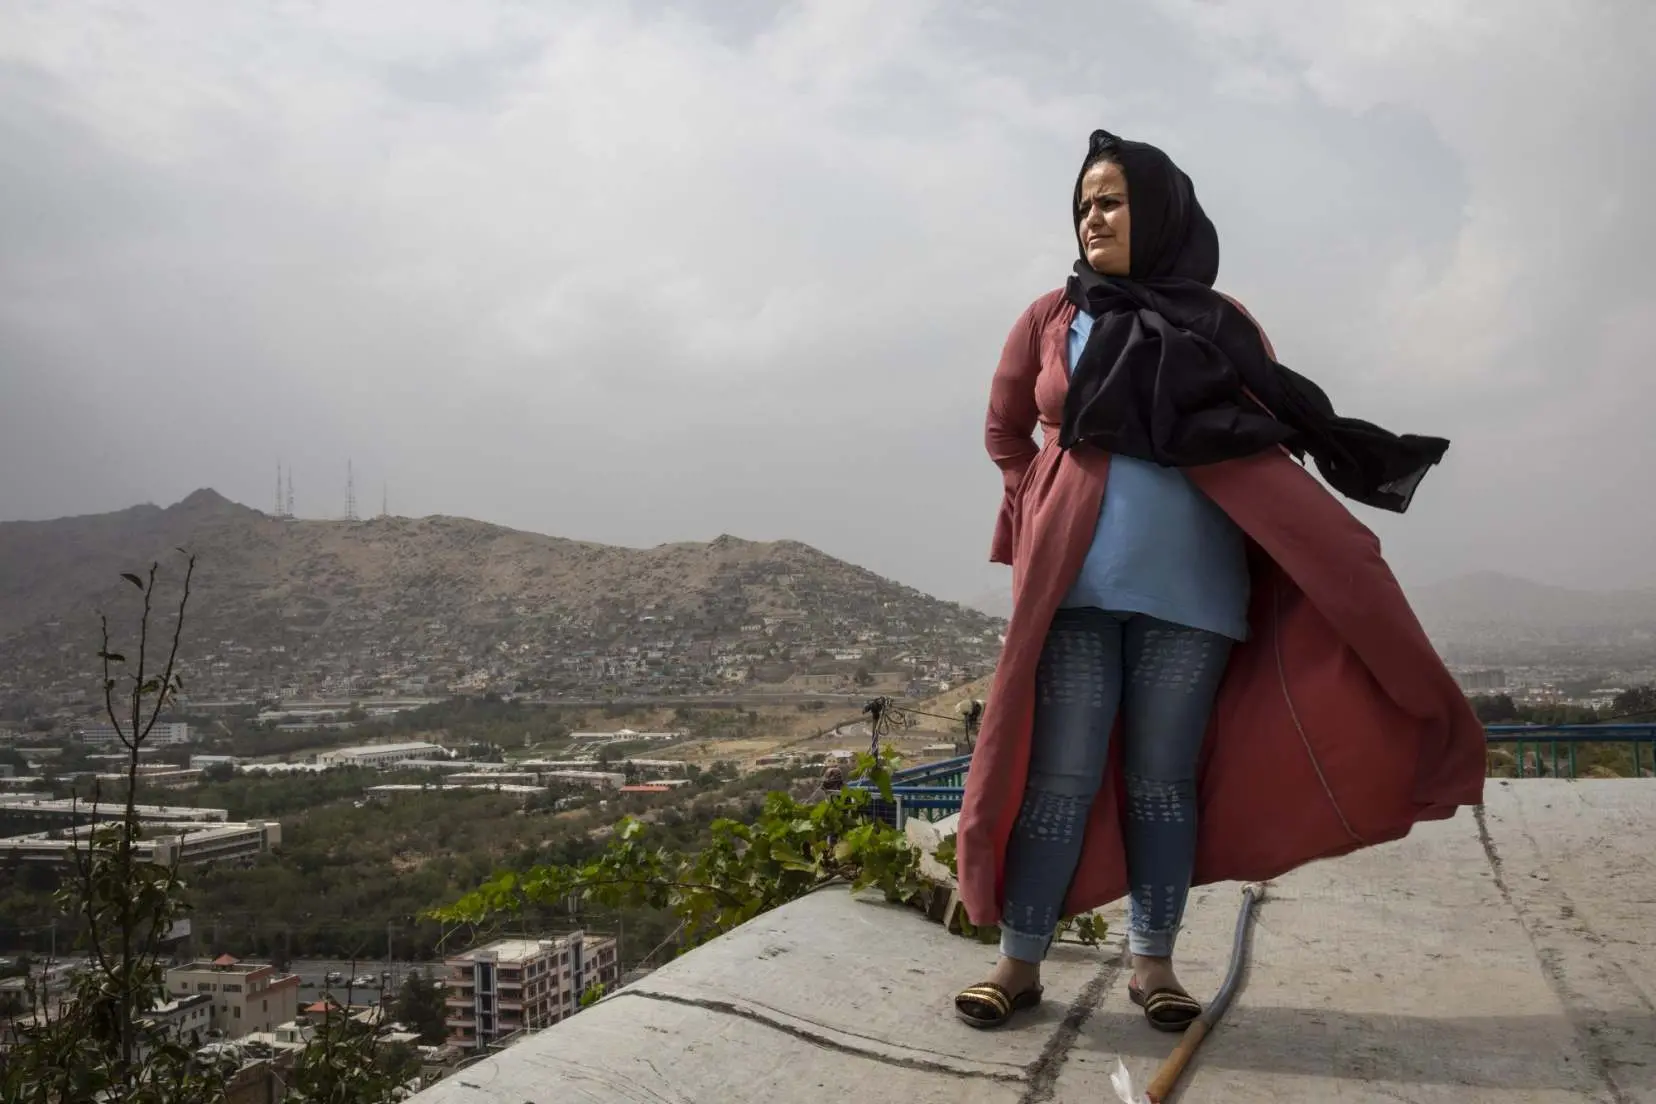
(1507, 955)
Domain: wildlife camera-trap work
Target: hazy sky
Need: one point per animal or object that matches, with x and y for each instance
(652, 272)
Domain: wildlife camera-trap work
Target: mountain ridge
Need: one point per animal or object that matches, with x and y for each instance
(281, 600)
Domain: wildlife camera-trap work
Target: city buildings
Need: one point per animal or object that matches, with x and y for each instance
(246, 997)
(48, 812)
(183, 844)
(38, 829)
(379, 755)
(523, 984)
(185, 1019)
(165, 733)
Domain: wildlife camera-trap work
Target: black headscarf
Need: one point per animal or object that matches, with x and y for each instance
(1162, 376)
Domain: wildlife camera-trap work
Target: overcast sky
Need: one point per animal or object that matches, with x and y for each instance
(659, 271)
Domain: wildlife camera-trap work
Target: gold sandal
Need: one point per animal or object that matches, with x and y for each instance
(1166, 1009)
(993, 1004)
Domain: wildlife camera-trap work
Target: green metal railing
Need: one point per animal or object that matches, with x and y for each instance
(1570, 738)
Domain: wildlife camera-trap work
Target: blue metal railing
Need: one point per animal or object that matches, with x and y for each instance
(933, 791)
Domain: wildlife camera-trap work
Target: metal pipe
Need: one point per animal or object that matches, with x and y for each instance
(1168, 1076)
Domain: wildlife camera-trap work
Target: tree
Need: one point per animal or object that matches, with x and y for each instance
(104, 1043)
(420, 1006)
(1636, 701)
(344, 1064)
(1497, 709)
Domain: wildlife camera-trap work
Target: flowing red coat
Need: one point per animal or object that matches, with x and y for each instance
(1336, 726)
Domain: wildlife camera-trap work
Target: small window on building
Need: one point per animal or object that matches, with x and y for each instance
(237, 1011)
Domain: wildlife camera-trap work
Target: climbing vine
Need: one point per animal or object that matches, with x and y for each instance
(789, 850)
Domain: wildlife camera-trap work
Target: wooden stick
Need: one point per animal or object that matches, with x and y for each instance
(1168, 1075)
(1172, 1069)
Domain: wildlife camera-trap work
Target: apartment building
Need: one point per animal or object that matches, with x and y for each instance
(247, 996)
(523, 984)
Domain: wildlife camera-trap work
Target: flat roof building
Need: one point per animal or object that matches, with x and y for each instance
(247, 997)
(379, 755)
(184, 844)
(517, 985)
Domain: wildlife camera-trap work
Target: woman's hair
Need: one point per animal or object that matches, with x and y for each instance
(1102, 149)
(1102, 154)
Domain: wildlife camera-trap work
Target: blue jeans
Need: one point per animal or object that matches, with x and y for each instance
(1163, 677)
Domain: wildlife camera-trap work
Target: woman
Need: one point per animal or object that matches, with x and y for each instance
(1210, 672)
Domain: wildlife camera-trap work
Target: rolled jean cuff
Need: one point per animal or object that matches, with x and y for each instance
(1023, 946)
(1152, 944)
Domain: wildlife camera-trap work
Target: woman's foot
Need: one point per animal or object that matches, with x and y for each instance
(1156, 989)
(1012, 986)
(1150, 974)
(1016, 976)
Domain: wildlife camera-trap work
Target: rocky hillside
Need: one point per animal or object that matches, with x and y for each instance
(401, 600)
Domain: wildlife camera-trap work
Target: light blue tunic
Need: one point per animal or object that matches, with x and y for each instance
(1162, 547)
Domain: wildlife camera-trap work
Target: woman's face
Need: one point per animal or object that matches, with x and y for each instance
(1106, 226)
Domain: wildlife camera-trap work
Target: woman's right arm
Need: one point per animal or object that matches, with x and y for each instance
(1010, 426)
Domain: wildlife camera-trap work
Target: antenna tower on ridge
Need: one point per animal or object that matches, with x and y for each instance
(279, 510)
(350, 493)
(385, 500)
(289, 493)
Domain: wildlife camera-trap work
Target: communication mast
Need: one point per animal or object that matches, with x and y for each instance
(350, 493)
(385, 500)
(284, 503)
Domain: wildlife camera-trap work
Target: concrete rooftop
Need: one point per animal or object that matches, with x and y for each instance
(1505, 957)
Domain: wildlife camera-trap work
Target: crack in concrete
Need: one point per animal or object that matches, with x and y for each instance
(1044, 1071)
(1586, 1033)
(727, 1008)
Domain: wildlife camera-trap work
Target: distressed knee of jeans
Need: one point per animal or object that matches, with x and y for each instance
(1152, 799)
(1048, 817)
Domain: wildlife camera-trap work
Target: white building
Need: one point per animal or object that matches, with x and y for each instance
(167, 844)
(164, 733)
(288, 1036)
(246, 997)
(64, 811)
(379, 755)
(624, 735)
(185, 1020)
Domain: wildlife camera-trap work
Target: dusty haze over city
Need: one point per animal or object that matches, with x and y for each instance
(654, 272)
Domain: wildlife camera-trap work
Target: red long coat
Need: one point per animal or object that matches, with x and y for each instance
(1336, 726)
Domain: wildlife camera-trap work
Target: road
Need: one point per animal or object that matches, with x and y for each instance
(313, 974)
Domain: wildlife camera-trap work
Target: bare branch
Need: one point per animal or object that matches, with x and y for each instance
(172, 655)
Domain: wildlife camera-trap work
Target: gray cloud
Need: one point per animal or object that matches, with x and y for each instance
(653, 272)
